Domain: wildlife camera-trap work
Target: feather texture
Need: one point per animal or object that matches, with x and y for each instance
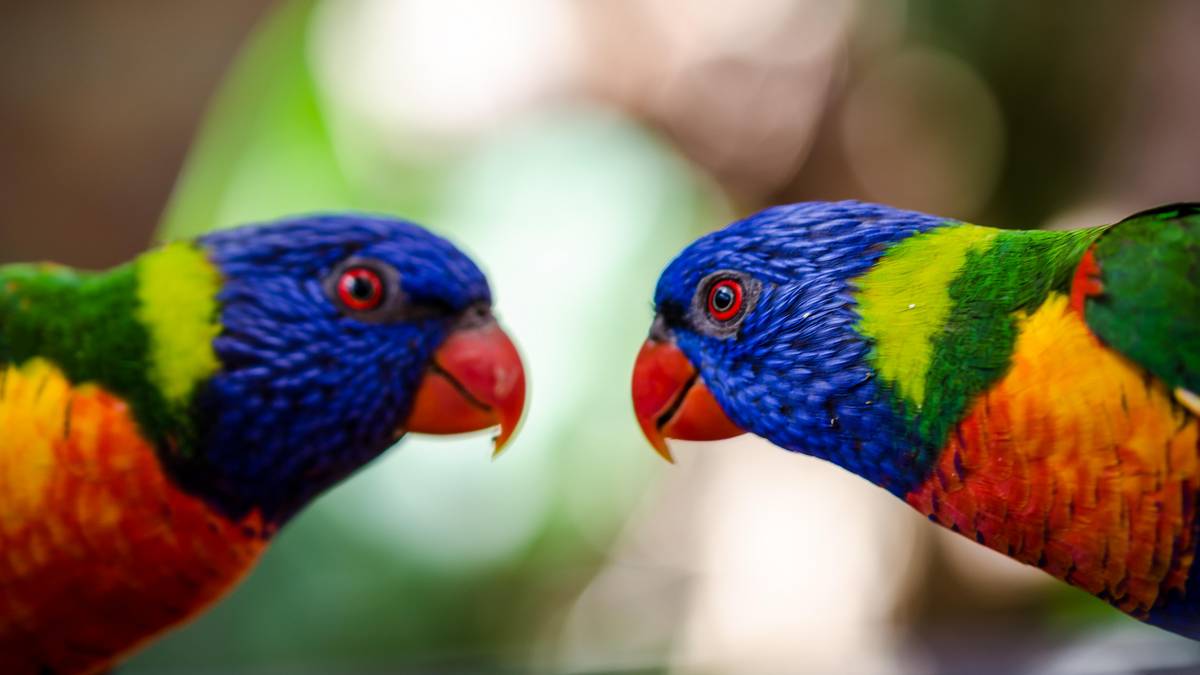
(1076, 461)
(1144, 292)
(91, 527)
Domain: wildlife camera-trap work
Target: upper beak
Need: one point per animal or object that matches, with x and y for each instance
(475, 381)
(672, 401)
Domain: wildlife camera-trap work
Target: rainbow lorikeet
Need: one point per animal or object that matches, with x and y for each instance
(1032, 390)
(161, 421)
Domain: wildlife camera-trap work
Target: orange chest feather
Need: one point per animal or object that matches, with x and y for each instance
(1076, 461)
(98, 550)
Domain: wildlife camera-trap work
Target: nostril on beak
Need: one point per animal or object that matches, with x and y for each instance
(659, 332)
(476, 316)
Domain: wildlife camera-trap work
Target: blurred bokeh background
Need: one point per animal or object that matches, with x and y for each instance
(573, 146)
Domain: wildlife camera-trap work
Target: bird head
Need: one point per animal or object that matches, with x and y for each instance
(337, 335)
(755, 332)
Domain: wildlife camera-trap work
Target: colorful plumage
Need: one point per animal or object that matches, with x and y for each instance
(159, 422)
(1032, 390)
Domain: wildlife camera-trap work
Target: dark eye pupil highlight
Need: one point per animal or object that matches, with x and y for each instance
(360, 287)
(723, 299)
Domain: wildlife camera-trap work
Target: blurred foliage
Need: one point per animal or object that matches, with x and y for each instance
(264, 148)
(1060, 95)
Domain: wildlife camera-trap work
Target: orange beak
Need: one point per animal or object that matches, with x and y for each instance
(475, 381)
(671, 400)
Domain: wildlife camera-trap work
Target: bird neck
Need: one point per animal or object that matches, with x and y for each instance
(88, 326)
(142, 331)
(941, 312)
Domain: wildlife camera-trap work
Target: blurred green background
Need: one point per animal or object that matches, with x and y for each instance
(573, 147)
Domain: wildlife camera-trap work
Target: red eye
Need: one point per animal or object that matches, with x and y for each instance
(725, 299)
(360, 289)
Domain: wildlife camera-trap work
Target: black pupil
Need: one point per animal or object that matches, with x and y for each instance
(360, 287)
(723, 299)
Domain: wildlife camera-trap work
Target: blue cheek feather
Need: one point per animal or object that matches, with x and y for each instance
(307, 394)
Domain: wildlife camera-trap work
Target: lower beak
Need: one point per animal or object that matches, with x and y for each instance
(475, 381)
(672, 401)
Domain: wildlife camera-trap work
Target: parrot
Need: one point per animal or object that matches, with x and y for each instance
(160, 421)
(1032, 390)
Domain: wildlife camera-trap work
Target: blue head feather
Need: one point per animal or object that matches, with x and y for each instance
(796, 370)
(307, 394)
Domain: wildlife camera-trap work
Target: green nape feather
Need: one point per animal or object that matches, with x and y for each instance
(142, 331)
(1148, 307)
(940, 309)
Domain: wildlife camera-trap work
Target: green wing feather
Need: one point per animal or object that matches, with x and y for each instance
(86, 324)
(1149, 308)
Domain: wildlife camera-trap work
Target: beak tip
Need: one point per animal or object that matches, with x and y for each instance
(510, 420)
(483, 363)
(671, 400)
(657, 441)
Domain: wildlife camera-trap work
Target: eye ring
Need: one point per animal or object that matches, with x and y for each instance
(360, 288)
(725, 299)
